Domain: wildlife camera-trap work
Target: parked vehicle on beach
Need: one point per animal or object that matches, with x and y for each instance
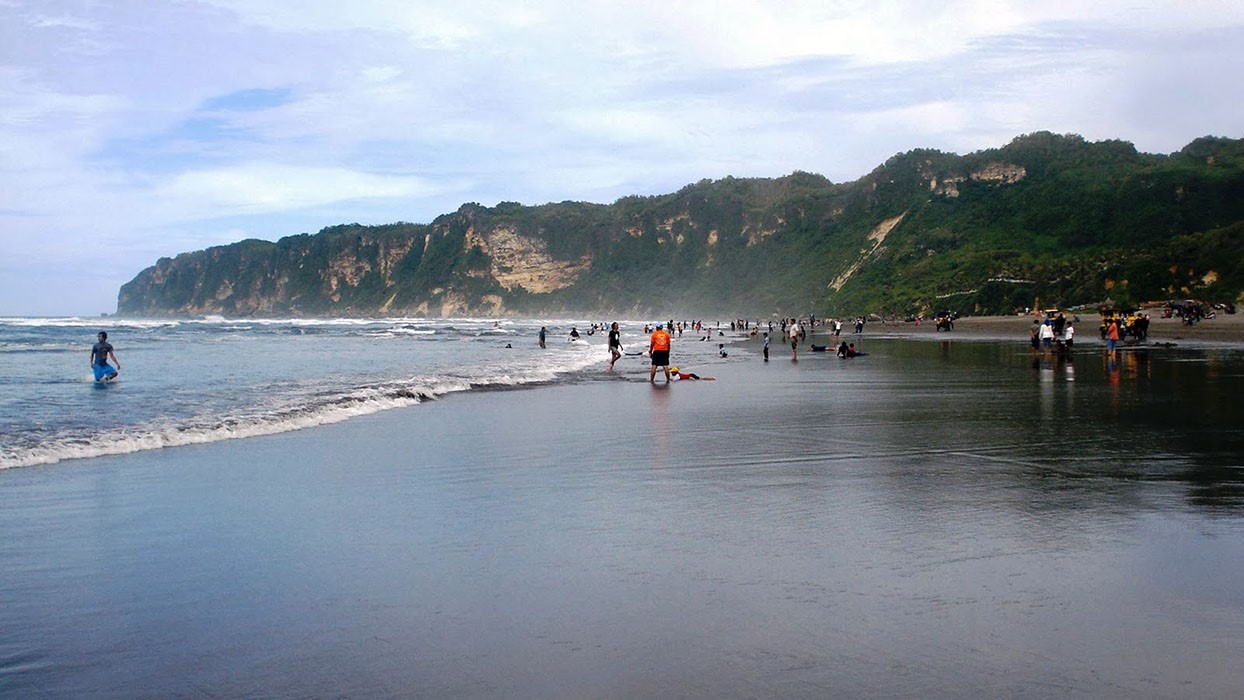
(1192, 310)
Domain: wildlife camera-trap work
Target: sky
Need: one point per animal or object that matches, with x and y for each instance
(135, 130)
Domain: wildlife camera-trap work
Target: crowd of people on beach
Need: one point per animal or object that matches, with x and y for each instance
(791, 330)
(1055, 334)
(1135, 326)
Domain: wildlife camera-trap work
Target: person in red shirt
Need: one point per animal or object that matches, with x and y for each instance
(659, 349)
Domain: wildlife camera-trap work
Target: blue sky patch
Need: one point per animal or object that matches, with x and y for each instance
(254, 100)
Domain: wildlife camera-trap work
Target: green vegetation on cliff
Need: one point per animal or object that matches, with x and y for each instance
(1047, 220)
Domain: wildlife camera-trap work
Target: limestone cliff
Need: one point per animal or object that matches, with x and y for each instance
(517, 261)
(1065, 217)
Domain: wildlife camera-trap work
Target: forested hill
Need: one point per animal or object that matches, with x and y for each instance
(1048, 220)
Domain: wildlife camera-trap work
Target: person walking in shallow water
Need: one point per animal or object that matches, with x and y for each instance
(615, 344)
(100, 352)
(543, 332)
(659, 349)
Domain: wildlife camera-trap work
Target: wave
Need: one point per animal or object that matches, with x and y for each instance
(298, 413)
(40, 347)
(399, 332)
(86, 322)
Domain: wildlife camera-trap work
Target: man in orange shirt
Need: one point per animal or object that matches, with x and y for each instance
(659, 349)
(1112, 334)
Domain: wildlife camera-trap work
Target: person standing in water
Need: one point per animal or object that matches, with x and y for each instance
(615, 344)
(659, 349)
(100, 352)
(543, 331)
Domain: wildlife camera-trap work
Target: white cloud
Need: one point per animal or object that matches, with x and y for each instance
(65, 21)
(429, 24)
(735, 33)
(262, 188)
(111, 149)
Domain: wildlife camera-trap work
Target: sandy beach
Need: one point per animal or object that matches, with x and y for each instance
(887, 526)
(1223, 329)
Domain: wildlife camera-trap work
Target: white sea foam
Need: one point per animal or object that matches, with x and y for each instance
(307, 412)
(324, 412)
(87, 322)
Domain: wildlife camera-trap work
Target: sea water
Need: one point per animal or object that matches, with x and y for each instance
(202, 380)
(933, 520)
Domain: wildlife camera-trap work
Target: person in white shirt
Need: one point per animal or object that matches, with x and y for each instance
(1047, 335)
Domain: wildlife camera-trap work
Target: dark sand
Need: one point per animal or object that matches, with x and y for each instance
(1224, 329)
(902, 526)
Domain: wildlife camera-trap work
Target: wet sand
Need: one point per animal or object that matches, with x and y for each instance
(935, 520)
(1223, 329)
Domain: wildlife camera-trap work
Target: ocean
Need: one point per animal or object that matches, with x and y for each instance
(943, 517)
(203, 380)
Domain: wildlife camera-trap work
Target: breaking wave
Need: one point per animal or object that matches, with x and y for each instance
(290, 414)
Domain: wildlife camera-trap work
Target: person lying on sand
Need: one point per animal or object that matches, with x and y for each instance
(845, 351)
(676, 374)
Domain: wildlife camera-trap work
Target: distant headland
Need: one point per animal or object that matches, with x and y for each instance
(1046, 220)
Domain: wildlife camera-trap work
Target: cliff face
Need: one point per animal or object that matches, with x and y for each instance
(521, 262)
(450, 268)
(1058, 218)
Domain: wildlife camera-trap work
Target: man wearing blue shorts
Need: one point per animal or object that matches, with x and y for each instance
(100, 353)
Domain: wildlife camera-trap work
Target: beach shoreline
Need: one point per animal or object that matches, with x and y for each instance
(1223, 329)
(600, 536)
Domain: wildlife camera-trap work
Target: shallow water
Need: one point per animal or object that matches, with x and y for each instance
(189, 381)
(932, 520)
